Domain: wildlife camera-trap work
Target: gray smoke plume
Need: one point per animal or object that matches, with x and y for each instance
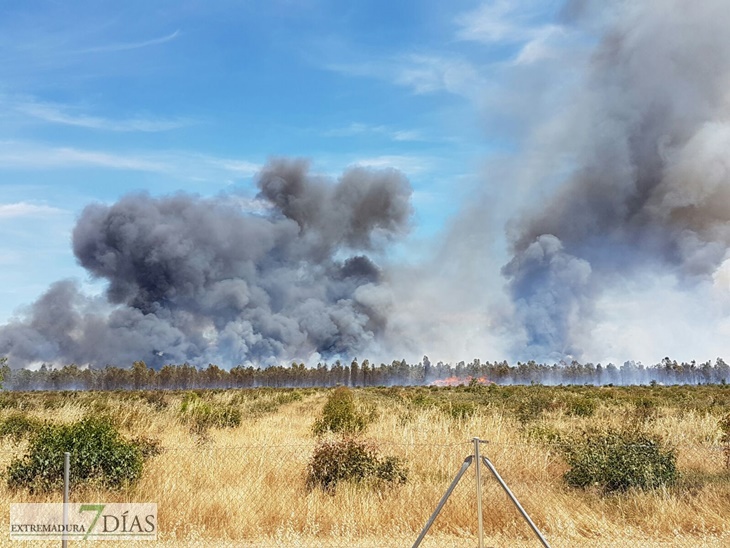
(202, 280)
(647, 142)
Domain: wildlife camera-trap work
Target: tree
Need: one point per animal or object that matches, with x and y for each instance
(140, 375)
(4, 371)
(354, 373)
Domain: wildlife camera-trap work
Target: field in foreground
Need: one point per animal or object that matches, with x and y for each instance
(231, 466)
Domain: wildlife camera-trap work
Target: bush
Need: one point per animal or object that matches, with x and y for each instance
(288, 397)
(617, 461)
(18, 425)
(202, 415)
(532, 407)
(99, 456)
(156, 399)
(543, 433)
(460, 410)
(645, 409)
(339, 415)
(582, 407)
(8, 401)
(348, 459)
(259, 408)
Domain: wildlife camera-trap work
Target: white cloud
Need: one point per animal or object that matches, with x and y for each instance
(241, 168)
(503, 21)
(124, 46)
(26, 209)
(15, 154)
(406, 163)
(365, 129)
(421, 73)
(543, 45)
(182, 164)
(514, 23)
(59, 114)
(432, 73)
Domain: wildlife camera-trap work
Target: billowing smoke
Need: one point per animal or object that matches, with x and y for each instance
(614, 184)
(202, 280)
(642, 146)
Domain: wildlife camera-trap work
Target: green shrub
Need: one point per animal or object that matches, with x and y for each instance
(99, 456)
(422, 400)
(582, 407)
(543, 433)
(201, 414)
(617, 461)
(259, 408)
(18, 425)
(8, 401)
(288, 397)
(349, 459)
(459, 410)
(532, 408)
(156, 399)
(645, 409)
(339, 415)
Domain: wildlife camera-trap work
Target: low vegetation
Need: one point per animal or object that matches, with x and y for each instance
(18, 426)
(353, 460)
(100, 457)
(340, 416)
(619, 460)
(593, 466)
(202, 415)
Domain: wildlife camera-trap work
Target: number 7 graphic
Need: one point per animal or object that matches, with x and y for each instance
(98, 508)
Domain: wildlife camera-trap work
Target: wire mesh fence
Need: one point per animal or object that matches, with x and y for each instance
(263, 495)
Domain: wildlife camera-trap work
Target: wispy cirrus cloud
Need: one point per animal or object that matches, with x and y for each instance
(27, 209)
(422, 73)
(71, 116)
(409, 164)
(22, 155)
(125, 46)
(182, 164)
(355, 129)
(496, 22)
(434, 73)
(512, 23)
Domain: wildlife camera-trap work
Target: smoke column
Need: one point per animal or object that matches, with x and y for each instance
(202, 280)
(642, 142)
(616, 175)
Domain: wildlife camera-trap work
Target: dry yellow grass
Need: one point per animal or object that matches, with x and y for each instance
(245, 486)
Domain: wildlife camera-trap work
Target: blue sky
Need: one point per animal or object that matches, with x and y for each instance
(98, 99)
(488, 106)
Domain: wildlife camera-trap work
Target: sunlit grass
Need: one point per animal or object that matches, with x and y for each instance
(246, 485)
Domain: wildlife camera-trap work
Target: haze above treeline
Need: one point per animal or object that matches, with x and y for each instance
(185, 376)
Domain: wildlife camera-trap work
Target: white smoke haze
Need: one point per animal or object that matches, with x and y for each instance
(601, 235)
(639, 182)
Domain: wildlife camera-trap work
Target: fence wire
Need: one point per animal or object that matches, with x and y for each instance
(264, 495)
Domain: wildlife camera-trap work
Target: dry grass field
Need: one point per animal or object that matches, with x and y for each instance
(245, 484)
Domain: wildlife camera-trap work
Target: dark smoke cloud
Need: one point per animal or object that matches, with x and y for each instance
(647, 136)
(201, 280)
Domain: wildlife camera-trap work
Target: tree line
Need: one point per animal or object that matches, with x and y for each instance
(139, 376)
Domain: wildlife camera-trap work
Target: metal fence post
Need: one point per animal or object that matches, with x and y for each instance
(514, 500)
(465, 465)
(480, 520)
(66, 470)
